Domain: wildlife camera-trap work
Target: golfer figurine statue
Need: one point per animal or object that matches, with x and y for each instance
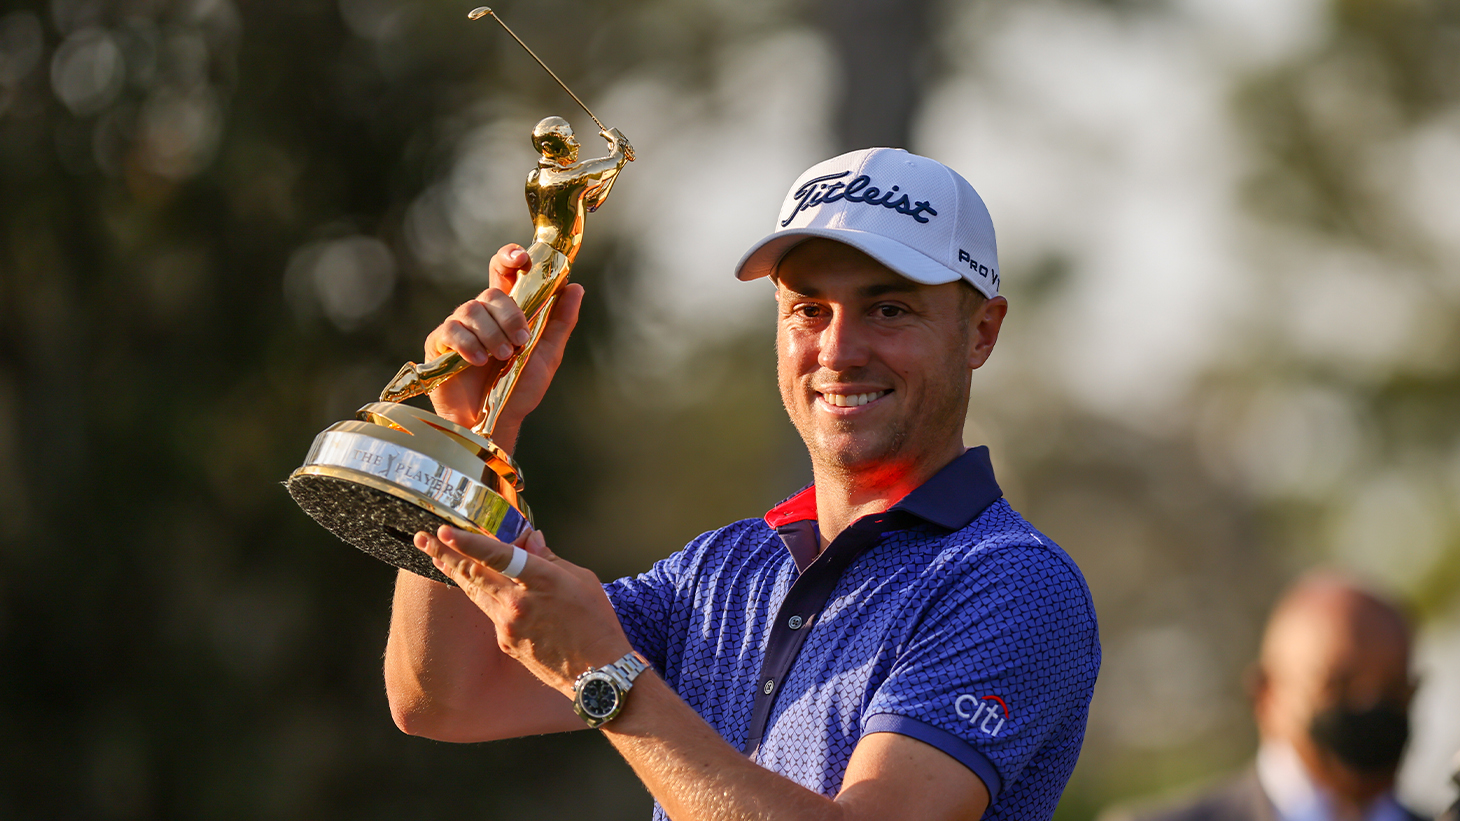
(394, 470)
(559, 193)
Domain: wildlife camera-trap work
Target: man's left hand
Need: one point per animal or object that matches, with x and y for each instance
(553, 618)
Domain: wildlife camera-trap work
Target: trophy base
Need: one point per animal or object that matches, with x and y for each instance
(396, 470)
(371, 519)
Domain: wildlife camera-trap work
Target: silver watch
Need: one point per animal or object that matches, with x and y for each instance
(598, 694)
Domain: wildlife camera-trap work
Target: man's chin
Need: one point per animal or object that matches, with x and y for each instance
(853, 456)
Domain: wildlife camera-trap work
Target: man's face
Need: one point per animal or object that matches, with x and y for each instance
(874, 368)
(1333, 652)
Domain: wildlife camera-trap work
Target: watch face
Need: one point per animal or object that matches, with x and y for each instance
(599, 698)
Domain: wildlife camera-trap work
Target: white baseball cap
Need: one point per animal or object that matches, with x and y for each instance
(915, 215)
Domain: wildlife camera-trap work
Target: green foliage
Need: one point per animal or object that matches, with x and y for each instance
(181, 181)
(224, 226)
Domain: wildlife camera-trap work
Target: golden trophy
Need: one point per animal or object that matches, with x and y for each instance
(393, 470)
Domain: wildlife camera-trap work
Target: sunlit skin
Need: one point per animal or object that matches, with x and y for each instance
(848, 326)
(1329, 643)
(487, 331)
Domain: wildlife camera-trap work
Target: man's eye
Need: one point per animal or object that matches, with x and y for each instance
(889, 311)
(809, 311)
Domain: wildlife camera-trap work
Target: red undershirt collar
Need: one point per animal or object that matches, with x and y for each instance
(955, 496)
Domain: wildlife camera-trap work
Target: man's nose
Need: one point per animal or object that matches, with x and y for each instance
(843, 344)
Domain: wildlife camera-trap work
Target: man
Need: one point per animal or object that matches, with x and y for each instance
(892, 642)
(1453, 814)
(1330, 694)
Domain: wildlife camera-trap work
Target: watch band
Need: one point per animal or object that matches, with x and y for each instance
(625, 670)
(588, 694)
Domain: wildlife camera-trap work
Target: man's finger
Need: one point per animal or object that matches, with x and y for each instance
(486, 552)
(507, 316)
(536, 544)
(444, 558)
(456, 336)
(507, 264)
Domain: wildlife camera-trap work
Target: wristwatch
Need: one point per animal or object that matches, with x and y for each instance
(598, 694)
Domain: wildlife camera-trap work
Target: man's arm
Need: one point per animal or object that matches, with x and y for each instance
(696, 775)
(446, 678)
(444, 674)
(555, 620)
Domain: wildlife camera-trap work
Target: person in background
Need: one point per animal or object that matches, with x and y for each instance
(1453, 814)
(1330, 695)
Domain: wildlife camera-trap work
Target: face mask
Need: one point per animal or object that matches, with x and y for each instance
(1368, 741)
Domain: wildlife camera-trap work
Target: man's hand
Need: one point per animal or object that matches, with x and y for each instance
(553, 618)
(487, 331)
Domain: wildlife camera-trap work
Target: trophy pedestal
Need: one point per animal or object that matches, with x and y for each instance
(377, 480)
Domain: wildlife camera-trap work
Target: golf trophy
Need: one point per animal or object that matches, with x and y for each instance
(393, 470)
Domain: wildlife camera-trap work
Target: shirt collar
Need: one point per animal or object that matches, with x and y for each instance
(1297, 798)
(952, 499)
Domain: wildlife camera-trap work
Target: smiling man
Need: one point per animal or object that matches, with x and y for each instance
(893, 641)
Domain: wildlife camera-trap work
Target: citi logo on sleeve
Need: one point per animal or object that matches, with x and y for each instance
(819, 190)
(982, 713)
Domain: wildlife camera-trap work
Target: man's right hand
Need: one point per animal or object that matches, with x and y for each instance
(487, 332)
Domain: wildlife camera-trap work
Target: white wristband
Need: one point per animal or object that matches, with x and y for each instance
(519, 561)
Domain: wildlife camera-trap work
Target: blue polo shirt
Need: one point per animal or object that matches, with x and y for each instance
(947, 618)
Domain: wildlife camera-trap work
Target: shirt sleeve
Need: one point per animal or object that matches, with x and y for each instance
(649, 604)
(1001, 665)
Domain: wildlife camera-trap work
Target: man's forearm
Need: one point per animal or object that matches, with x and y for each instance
(694, 773)
(447, 679)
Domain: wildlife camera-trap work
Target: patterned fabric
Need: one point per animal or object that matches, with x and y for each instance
(948, 619)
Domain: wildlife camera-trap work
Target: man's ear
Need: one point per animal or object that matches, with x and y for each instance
(984, 327)
(1254, 681)
(1410, 687)
(1258, 686)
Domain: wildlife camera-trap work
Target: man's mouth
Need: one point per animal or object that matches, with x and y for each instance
(852, 400)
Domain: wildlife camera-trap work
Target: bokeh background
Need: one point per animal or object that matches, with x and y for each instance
(1230, 235)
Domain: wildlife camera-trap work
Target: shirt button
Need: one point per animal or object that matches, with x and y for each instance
(795, 623)
(770, 684)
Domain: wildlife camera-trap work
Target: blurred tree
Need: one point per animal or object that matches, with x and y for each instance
(215, 239)
(885, 60)
(1350, 141)
(1332, 421)
(1324, 432)
(223, 226)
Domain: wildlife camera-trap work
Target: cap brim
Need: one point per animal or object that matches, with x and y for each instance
(763, 257)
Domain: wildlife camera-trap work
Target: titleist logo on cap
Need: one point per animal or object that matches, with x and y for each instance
(821, 190)
(852, 199)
